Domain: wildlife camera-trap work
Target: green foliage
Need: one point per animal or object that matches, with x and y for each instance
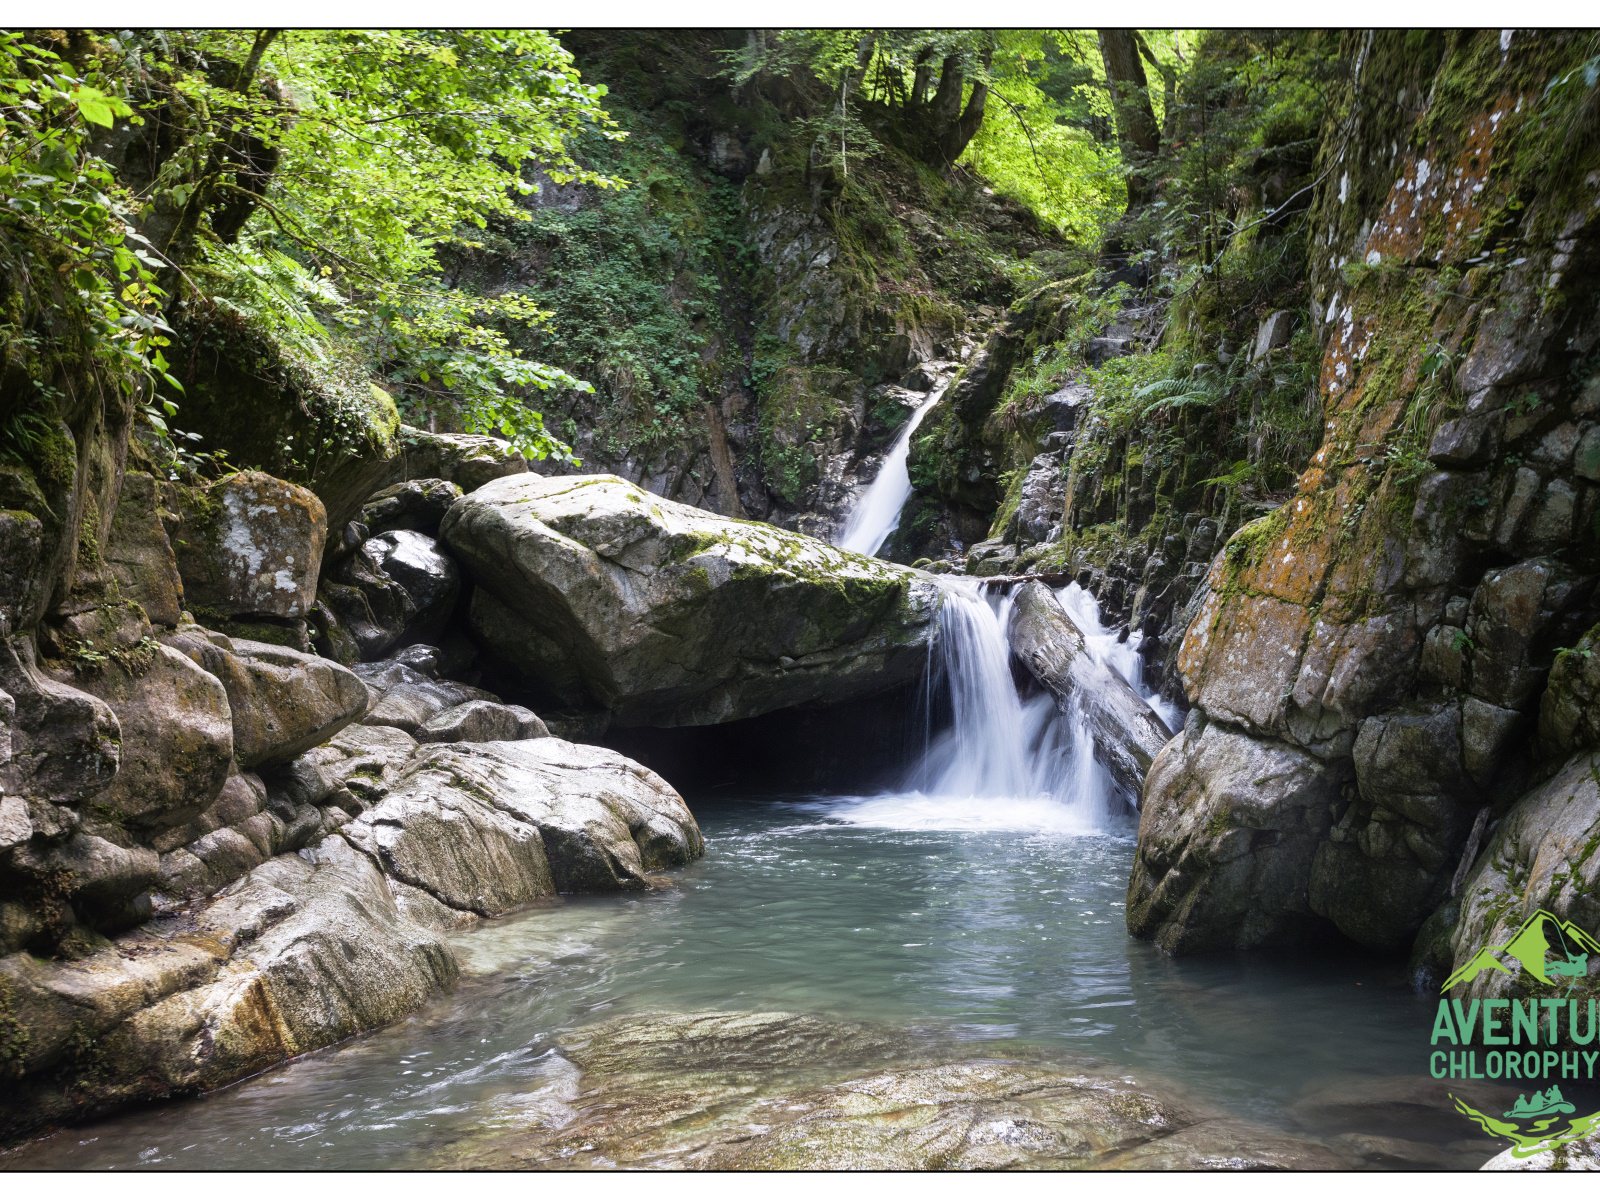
(641, 275)
(401, 145)
(1046, 140)
(79, 283)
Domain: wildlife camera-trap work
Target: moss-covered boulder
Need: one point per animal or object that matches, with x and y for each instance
(250, 545)
(602, 595)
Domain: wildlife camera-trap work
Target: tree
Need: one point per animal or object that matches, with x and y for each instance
(1137, 131)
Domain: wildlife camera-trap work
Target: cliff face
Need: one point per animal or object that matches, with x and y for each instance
(1368, 661)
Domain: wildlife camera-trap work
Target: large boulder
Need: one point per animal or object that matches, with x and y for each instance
(485, 827)
(282, 702)
(1214, 798)
(396, 588)
(249, 546)
(603, 595)
(1128, 734)
(308, 951)
(1542, 857)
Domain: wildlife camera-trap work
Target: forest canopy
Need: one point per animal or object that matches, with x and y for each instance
(325, 186)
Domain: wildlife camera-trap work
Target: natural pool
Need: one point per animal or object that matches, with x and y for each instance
(994, 922)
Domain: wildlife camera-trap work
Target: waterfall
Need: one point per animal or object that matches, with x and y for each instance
(1004, 761)
(876, 513)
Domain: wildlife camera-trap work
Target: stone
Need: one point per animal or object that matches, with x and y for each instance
(1272, 334)
(249, 545)
(417, 504)
(411, 704)
(177, 738)
(1569, 710)
(397, 587)
(1542, 856)
(140, 555)
(283, 702)
(1128, 734)
(482, 721)
(468, 460)
(787, 1091)
(307, 951)
(1228, 831)
(364, 760)
(601, 821)
(603, 596)
(1044, 494)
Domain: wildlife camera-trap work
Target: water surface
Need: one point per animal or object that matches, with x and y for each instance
(1005, 924)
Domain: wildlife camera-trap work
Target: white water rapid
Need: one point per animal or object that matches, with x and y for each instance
(877, 513)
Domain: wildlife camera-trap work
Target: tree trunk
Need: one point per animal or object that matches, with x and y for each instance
(1130, 100)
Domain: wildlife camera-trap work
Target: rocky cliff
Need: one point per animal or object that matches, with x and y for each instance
(1370, 666)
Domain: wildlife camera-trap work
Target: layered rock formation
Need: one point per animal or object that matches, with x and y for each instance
(1368, 662)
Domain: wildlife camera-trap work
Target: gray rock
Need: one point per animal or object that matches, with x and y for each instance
(467, 460)
(249, 545)
(1272, 334)
(308, 951)
(418, 504)
(1127, 732)
(177, 738)
(482, 721)
(601, 821)
(605, 596)
(1541, 856)
(785, 1091)
(364, 760)
(397, 587)
(282, 702)
(411, 704)
(1228, 831)
(140, 555)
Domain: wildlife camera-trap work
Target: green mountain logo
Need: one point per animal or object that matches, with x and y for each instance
(1546, 947)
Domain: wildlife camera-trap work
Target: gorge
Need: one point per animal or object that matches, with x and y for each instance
(993, 668)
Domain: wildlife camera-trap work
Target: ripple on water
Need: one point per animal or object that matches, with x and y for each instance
(884, 909)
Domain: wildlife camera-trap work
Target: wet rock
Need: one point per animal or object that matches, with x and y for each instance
(362, 760)
(538, 816)
(1127, 732)
(397, 587)
(604, 596)
(1228, 831)
(307, 951)
(1043, 497)
(282, 702)
(482, 721)
(784, 1091)
(417, 504)
(410, 704)
(249, 545)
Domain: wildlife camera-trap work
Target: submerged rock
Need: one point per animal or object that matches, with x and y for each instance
(786, 1091)
(605, 596)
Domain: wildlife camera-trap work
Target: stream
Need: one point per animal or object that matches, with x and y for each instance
(980, 904)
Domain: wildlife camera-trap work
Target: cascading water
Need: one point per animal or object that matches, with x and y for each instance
(876, 514)
(1004, 761)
